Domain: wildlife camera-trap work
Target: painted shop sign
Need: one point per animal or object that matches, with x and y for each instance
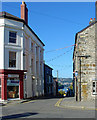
(12, 82)
(13, 75)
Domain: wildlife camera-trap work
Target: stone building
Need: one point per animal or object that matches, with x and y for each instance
(84, 62)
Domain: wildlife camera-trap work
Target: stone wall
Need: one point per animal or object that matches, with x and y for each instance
(85, 46)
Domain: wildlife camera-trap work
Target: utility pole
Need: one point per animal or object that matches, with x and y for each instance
(57, 75)
(86, 56)
(76, 74)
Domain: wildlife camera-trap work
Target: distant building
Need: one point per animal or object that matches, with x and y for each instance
(85, 62)
(48, 80)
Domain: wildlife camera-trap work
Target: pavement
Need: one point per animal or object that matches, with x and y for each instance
(70, 102)
(12, 102)
(20, 101)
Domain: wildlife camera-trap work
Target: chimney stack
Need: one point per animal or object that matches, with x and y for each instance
(24, 12)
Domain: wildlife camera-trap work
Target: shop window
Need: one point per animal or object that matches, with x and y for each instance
(13, 87)
(12, 59)
(12, 37)
(12, 91)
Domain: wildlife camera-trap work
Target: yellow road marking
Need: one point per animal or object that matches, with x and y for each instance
(58, 103)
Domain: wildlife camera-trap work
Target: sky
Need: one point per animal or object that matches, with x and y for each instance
(56, 24)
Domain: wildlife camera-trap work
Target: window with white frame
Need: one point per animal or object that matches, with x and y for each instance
(12, 37)
(12, 59)
(94, 86)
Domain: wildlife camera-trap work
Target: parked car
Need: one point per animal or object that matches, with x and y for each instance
(64, 95)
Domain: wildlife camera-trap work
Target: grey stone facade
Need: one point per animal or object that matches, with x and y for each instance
(84, 63)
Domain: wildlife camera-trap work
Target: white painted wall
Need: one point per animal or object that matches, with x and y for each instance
(24, 39)
(1, 44)
(11, 25)
(37, 85)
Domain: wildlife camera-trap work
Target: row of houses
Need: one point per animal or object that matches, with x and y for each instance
(85, 62)
(22, 67)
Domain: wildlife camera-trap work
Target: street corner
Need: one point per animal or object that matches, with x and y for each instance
(71, 104)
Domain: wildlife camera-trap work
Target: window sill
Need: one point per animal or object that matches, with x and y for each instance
(13, 68)
(13, 44)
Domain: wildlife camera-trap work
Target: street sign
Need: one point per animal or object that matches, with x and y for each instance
(76, 73)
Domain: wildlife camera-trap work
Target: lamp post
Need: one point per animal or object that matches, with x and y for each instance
(85, 56)
(76, 74)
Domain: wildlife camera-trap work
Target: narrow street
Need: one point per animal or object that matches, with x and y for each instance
(43, 108)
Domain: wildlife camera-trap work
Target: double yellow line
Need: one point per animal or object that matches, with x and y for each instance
(58, 103)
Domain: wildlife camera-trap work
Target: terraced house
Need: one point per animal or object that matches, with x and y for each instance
(21, 58)
(85, 62)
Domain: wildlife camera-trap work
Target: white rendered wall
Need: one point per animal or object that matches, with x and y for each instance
(25, 37)
(1, 44)
(35, 87)
(11, 25)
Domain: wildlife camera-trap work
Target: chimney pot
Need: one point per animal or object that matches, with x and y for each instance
(90, 19)
(23, 2)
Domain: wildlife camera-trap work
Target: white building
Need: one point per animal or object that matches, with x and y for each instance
(21, 58)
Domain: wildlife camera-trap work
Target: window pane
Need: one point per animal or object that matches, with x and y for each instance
(12, 37)
(12, 59)
(12, 55)
(93, 90)
(12, 34)
(93, 84)
(12, 40)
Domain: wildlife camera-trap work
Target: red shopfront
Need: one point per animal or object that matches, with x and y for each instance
(11, 84)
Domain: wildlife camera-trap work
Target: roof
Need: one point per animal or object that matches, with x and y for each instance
(80, 32)
(12, 17)
(48, 66)
(87, 27)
